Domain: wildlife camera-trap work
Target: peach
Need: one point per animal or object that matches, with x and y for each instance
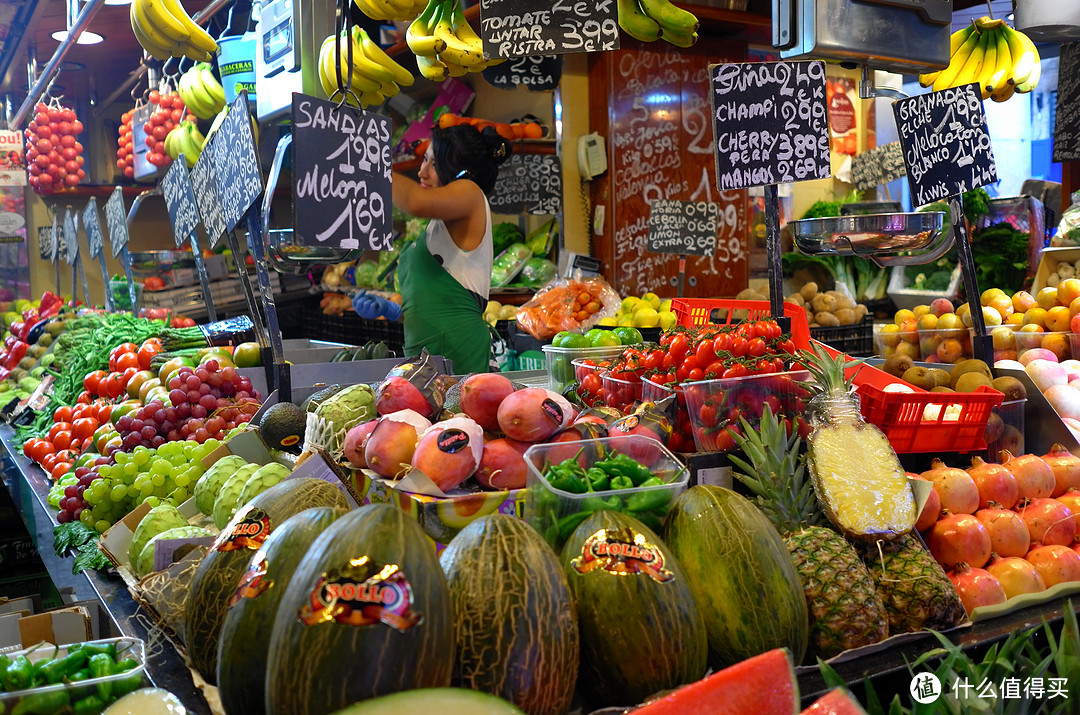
(1022, 301)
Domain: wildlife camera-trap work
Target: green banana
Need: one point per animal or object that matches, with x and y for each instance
(671, 18)
(420, 38)
(634, 22)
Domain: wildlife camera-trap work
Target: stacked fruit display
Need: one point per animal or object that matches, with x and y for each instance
(444, 42)
(1002, 530)
(993, 55)
(646, 311)
(54, 157)
(164, 29)
(168, 115)
(373, 75)
(651, 20)
(125, 146)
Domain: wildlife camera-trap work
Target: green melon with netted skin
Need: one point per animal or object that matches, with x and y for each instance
(245, 634)
(334, 644)
(216, 578)
(515, 626)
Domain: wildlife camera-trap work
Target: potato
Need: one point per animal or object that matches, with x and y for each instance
(826, 319)
(842, 300)
(796, 298)
(750, 294)
(823, 303)
(860, 312)
(846, 316)
(809, 290)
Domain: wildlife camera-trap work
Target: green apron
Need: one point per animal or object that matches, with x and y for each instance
(440, 314)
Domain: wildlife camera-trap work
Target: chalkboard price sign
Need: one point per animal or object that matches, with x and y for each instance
(204, 182)
(71, 237)
(528, 183)
(946, 145)
(341, 176)
(1067, 115)
(521, 28)
(92, 225)
(684, 227)
(116, 221)
(538, 72)
(58, 251)
(45, 243)
(236, 162)
(180, 201)
(770, 123)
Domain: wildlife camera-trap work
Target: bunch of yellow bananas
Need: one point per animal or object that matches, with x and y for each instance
(164, 29)
(993, 55)
(651, 20)
(185, 138)
(373, 75)
(444, 42)
(202, 93)
(392, 10)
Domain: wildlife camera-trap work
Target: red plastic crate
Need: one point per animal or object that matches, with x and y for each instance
(699, 311)
(900, 415)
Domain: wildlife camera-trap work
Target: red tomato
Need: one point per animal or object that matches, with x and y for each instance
(714, 369)
(84, 428)
(722, 343)
(63, 414)
(121, 349)
(59, 470)
(724, 440)
(48, 461)
(786, 346)
(61, 440)
(678, 348)
(735, 370)
(738, 346)
(102, 412)
(114, 385)
(708, 416)
(127, 360)
(591, 384)
(90, 382)
(696, 375)
(705, 352)
(755, 347)
(58, 427)
(146, 354)
(653, 360)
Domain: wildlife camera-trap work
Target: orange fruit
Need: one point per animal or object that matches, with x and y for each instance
(533, 131)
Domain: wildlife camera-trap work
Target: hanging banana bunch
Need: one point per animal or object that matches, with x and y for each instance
(651, 20)
(164, 29)
(373, 75)
(391, 10)
(444, 42)
(990, 53)
(201, 91)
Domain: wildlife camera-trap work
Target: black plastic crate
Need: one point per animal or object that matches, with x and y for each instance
(351, 329)
(856, 340)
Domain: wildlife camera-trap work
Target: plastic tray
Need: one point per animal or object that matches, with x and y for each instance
(700, 311)
(560, 362)
(902, 417)
(856, 340)
(716, 405)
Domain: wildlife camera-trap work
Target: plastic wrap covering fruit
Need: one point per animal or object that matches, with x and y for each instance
(567, 304)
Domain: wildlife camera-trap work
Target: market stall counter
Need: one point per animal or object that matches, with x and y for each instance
(28, 486)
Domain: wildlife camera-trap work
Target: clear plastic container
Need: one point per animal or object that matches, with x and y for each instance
(1060, 344)
(120, 295)
(949, 345)
(126, 648)
(560, 362)
(716, 405)
(555, 512)
(618, 393)
(1005, 430)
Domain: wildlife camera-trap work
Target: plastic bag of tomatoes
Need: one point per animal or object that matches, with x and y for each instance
(54, 155)
(567, 304)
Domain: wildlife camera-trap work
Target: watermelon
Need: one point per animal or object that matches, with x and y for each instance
(514, 619)
(367, 613)
(640, 627)
(837, 701)
(215, 581)
(245, 635)
(745, 585)
(426, 701)
(764, 684)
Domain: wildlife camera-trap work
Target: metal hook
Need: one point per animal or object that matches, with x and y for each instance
(989, 9)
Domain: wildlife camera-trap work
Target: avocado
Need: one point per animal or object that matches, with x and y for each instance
(316, 398)
(282, 426)
(380, 351)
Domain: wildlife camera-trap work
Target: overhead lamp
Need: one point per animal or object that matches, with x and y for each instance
(86, 38)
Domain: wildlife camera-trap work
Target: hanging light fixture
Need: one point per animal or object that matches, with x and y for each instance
(86, 37)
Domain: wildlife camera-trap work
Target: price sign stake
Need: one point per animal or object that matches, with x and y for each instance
(180, 201)
(116, 219)
(92, 223)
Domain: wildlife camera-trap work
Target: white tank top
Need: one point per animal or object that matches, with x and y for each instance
(471, 269)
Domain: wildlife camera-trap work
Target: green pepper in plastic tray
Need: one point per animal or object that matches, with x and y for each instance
(509, 264)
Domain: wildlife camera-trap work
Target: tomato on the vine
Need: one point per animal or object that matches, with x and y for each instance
(714, 369)
(735, 370)
(787, 346)
(738, 346)
(755, 347)
(591, 384)
(705, 352)
(678, 347)
(696, 375)
(708, 415)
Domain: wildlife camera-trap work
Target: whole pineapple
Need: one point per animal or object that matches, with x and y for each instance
(844, 606)
(857, 476)
(916, 592)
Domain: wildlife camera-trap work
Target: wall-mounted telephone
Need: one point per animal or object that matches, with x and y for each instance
(592, 155)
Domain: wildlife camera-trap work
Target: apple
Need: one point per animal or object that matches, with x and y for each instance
(1009, 364)
(941, 306)
(1030, 356)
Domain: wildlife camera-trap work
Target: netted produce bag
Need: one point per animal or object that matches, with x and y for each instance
(568, 304)
(1068, 229)
(163, 593)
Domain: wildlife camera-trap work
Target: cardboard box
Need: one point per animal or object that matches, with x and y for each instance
(441, 517)
(62, 626)
(1048, 264)
(116, 541)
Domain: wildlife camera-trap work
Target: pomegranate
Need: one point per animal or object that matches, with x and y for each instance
(1071, 499)
(1066, 468)
(1009, 534)
(954, 486)
(1016, 575)
(976, 587)
(931, 509)
(994, 482)
(1033, 475)
(1055, 563)
(957, 538)
(1048, 521)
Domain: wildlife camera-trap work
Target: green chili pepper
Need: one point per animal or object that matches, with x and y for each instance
(621, 482)
(566, 478)
(124, 665)
(90, 705)
(624, 465)
(648, 500)
(598, 479)
(59, 668)
(4, 663)
(101, 665)
(78, 675)
(128, 684)
(92, 649)
(591, 504)
(19, 674)
(42, 703)
(567, 524)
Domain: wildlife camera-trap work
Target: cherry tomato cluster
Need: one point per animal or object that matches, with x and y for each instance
(54, 157)
(169, 113)
(717, 412)
(74, 430)
(125, 145)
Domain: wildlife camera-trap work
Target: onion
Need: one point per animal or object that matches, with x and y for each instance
(994, 482)
(1066, 468)
(976, 587)
(1016, 575)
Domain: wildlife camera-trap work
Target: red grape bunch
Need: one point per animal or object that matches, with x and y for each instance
(125, 146)
(54, 157)
(206, 401)
(169, 113)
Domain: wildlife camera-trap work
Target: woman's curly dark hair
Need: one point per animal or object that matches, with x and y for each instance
(461, 151)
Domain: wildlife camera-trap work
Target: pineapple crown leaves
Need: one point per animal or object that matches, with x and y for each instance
(827, 370)
(775, 472)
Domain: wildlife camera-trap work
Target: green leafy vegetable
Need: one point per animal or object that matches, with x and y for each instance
(89, 557)
(79, 539)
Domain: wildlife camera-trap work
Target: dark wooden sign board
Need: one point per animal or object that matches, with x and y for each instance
(207, 197)
(179, 198)
(522, 28)
(116, 222)
(683, 227)
(341, 176)
(236, 162)
(539, 73)
(1067, 114)
(528, 183)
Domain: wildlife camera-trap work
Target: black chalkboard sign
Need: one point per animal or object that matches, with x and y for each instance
(116, 221)
(1067, 115)
(522, 28)
(530, 184)
(770, 123)
(204, 182)
(58, 251)
(45, 243)
(539, 73)
(180, 201)
(236, 162)
(684, 227)
(946, 146)
(71, 237)
(341, 176)
(92, 225)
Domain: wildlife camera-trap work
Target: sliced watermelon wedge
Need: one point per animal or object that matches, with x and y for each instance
(837, 701)
(762, 685)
